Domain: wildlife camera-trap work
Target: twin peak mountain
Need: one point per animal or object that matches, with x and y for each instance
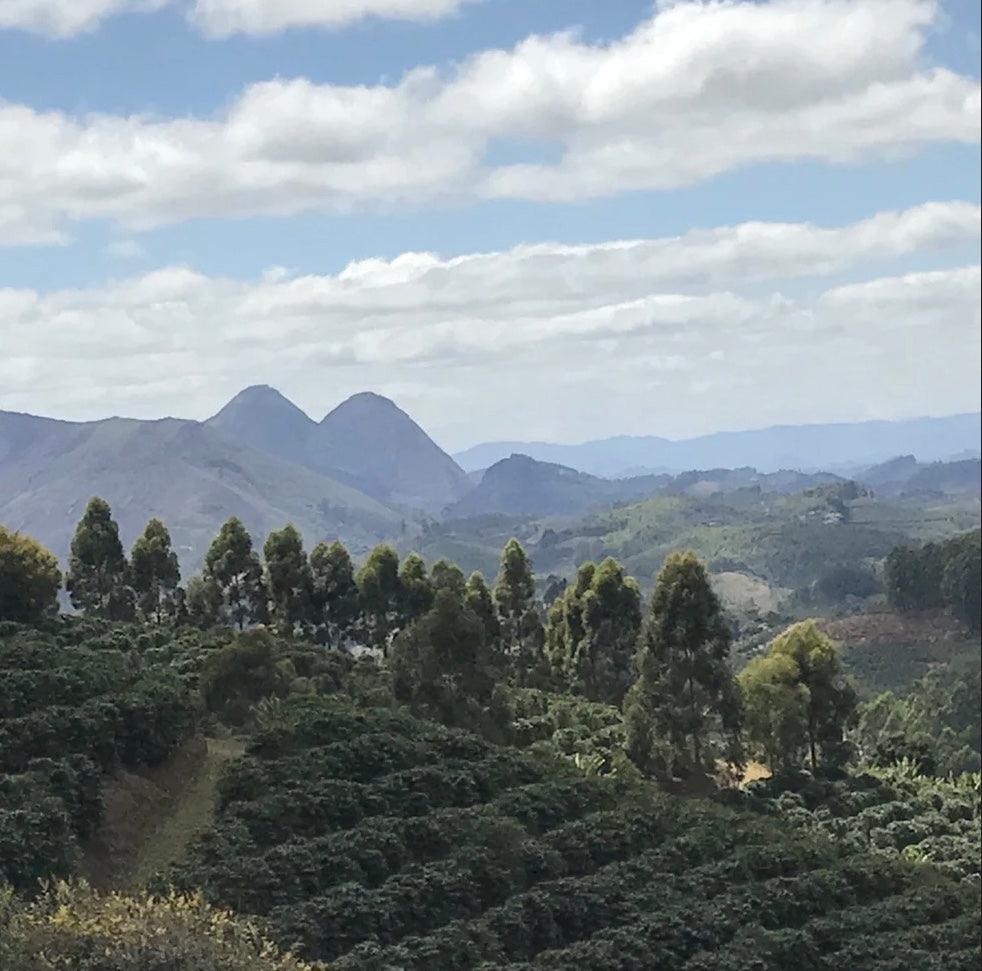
(365, 474)
(366, 442)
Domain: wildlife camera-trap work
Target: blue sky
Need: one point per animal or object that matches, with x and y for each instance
(181, 200)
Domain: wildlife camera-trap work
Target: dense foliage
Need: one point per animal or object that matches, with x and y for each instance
(936, 725)
(29, 579)
(895, 811)
(375, 840)
(472, 786)
(946, 574)
(71, 708)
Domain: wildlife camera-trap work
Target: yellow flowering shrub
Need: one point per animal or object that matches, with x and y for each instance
(70, 927)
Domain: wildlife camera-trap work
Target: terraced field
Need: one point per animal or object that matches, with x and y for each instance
(372, 840)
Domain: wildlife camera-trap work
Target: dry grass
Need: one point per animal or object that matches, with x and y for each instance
(152, 816)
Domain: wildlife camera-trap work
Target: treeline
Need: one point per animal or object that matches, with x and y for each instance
(450, 644)
(944, 575)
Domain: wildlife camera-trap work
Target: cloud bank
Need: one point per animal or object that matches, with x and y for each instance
(695, 91)
(678, 336)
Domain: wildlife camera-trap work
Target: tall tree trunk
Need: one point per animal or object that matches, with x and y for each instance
(811, 741)
(696, 750)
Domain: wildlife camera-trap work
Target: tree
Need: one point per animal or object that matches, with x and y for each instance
(808, 663)
(98, 574)
(593, 631)
(961, 579)
(936, 724)
(29, 579)
(480, 601)
(522, 635)
(233, 566)
(415, 589)
(913, 577)
(684, 692)
(203, 601)
(335, 608)
(612, 618)
(445, 575)
(380, 593)
(440, 667)
(155, 570)
(288, 579)
(775, 707)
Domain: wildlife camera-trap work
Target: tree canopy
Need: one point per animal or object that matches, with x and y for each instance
(234, 570)
(684, 696)
(98, 574)
(155, 571)
(29, 578)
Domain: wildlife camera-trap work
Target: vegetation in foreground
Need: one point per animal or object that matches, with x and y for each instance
(484, 786)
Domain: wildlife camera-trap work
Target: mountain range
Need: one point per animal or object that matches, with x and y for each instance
(835, 447)
(368, 473)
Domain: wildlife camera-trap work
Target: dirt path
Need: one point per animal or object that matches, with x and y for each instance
(152, 817)
(190, 814)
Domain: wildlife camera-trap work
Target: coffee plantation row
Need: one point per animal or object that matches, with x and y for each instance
(372, 840)
(71, 709)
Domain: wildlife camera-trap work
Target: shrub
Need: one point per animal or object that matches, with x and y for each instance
(73, 927)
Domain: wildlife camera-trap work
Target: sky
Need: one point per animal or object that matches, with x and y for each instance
(520, 220)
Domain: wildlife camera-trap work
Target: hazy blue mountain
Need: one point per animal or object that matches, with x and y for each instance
(263, 419)
(520, 485)
(190, 475)
(373, 444)
(523, 486)
(367, 441)
(802, 447)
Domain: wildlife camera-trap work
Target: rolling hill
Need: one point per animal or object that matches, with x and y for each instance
(905, 476)
(523, 486)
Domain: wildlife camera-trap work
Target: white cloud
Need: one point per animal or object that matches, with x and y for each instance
(696, 90)
(219, 18)
(538, 341)
(65, 18)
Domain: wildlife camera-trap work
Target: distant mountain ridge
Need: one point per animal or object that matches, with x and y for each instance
(904, 475)
(189, 474)
(828, 447)
(522, 486)
(368, 473)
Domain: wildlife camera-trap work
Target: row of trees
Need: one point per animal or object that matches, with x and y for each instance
(450, 640)
(938, 575)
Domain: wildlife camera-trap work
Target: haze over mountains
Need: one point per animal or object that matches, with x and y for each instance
(368, 473)
(803, 447)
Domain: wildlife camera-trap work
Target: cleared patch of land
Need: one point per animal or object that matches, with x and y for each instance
(152, 816)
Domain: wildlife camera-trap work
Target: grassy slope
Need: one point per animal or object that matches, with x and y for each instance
(152, 817)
